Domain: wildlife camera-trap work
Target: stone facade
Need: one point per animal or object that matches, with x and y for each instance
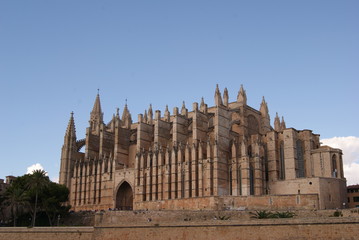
(223, 157)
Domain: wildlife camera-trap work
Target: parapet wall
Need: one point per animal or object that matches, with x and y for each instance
(206, 225)
(265, 202)
(46, 233)
(255, 230)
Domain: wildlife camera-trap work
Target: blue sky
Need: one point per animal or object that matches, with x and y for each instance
(54, 55)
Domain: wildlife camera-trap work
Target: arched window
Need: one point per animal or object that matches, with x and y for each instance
(251, 180)
(334, 166)
(230, 180)
(249, 150)
(281, 161)
(300, 170)
(265, 162)
(239, 180)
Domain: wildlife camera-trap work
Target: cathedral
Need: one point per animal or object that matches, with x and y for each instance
(227, 156)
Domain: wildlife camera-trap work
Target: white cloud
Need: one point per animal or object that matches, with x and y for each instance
(55, 179)
(33, 167)
(351, 173)
(350, 148)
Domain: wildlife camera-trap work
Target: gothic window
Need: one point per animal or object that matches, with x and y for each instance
(253, 126)
(182, 182)
(251, 180)
(300, 171)
(265, 160)
(249, 151)
(230, 180)
(334, 166)
(239, 181)
(281, 161)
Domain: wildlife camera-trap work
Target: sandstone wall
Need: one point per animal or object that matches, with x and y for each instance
(233, 231)
(244, 228)
(275, 202)
(258, 230)
(46, 233)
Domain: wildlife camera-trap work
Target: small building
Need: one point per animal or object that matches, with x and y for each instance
(353, 196)
(6, 184)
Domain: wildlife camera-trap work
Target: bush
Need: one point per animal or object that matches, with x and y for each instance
(337, 214)
(268, 214)
(284, 214)
(262, 214)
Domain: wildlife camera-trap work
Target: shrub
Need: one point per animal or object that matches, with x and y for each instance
(337, 214)
(286, 214)
(268, 214)
(262, 214)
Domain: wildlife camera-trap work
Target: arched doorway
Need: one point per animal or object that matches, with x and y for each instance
(124, 197)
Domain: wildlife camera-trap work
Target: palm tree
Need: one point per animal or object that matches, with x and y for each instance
(16, 196)
(37, 182)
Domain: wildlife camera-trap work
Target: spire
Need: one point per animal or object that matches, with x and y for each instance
(167, 114)
(150, 115)
(71, 130)
(265, 118)
(145, 118)
(225, 97)
(217, 97)
(184, 110)
(264, 108)
(203, 106)
(126, 117)
(125, 112)
(277, 123)
(117, 112)
(282, 124)
(67, 153)
(96, 116)
(242, 96)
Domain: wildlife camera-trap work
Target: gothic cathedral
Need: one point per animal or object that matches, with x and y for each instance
(227, 156)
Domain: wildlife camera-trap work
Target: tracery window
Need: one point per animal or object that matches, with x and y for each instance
(281, 161)
(334, 166)
(300, 169)
(251, 180)
(239, 180)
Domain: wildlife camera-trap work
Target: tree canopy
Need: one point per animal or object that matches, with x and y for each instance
(31, 195)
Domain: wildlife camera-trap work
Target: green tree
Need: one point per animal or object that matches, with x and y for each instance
(16, 197)
(53, 202)
(3, 207)
(38, 181)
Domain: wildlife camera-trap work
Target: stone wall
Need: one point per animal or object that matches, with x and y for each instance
(149, 218)
(274, 202)
(198, 225)
(46, 233)
(263, 230)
